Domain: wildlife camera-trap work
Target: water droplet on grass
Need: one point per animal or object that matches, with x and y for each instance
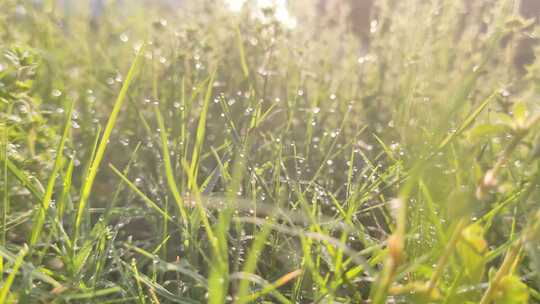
(373, 26)
(56, 93)
(124, 142)
(124, 37)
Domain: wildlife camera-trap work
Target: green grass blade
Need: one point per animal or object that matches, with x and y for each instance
(137, 277)
(9, 281)
(468, 121)
(5, 202)
(42, 211)
(89, 182)
(271, 287)
(29, 268)
(253, 255)
(171, 182)
(201, 130)
(145, 198)
(23, 179)
(93, 294)
(243, 60)
(68, 179)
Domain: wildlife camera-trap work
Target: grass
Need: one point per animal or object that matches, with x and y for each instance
(200, 155)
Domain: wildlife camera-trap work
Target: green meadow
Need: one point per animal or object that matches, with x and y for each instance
(189, 152)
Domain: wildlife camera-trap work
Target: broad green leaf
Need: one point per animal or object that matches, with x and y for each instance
(483, 130)
(471, 249)
(519, 111)
(511, 290)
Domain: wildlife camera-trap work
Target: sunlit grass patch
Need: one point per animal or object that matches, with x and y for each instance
(190, 153)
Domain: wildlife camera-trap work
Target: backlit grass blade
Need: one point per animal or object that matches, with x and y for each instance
(170, 266)
(9, 281)
(89, 182)
(196, 195)
(468, 121)
(271, 287)
(93, 294)
(23, 178)
(251, 261)
(145, 198)
(162, 291)
(171, 181)
(68, 179)
(29, 268)
(243, 61)
(42, 211)
(5, 202)
(140, 291)
(219, 268)
(201, 130)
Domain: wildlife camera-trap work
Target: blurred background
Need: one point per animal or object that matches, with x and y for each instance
(359, 16)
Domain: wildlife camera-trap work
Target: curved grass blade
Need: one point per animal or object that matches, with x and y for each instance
(23, 179)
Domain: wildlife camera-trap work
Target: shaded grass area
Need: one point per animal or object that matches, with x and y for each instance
(201, 155)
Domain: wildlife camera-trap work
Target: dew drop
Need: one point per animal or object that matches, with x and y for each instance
(124, 37)
(56, 93)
